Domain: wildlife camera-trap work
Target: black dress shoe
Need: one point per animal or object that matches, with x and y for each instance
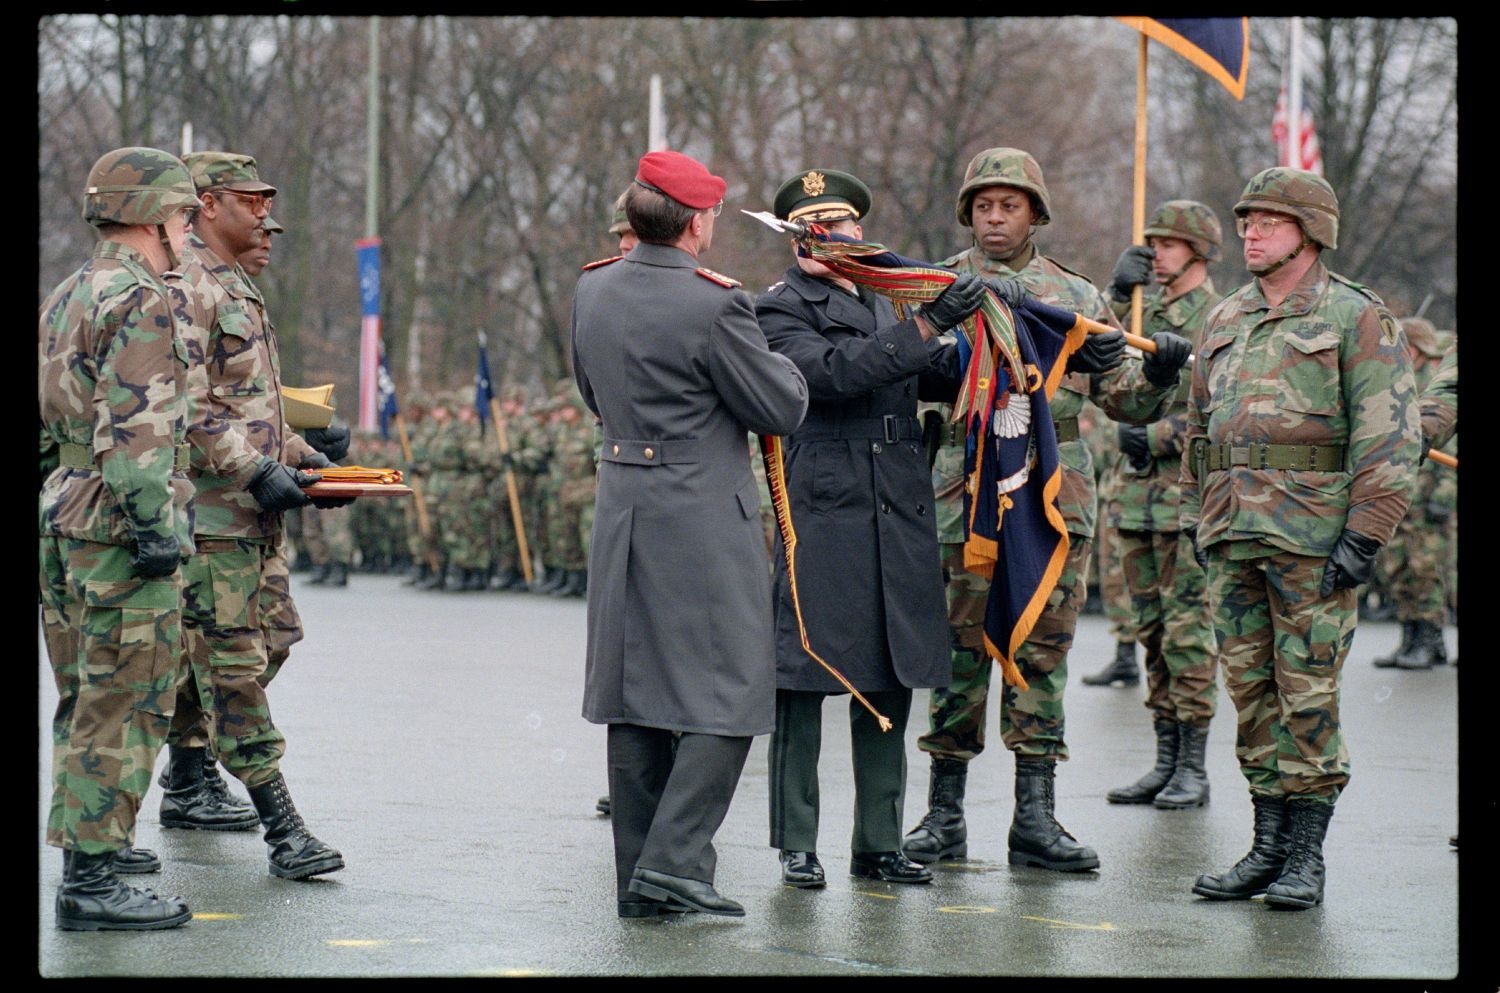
(693, 894)
(603, 805)
(802, 870)
(640, 908)
(890, 867)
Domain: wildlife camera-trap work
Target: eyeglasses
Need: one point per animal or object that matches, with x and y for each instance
(717, 208)
(260, 203)
(1264, 226)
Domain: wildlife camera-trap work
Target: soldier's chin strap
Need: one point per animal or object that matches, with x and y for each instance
(1285, 258)
(1174, 277)
(166, 243)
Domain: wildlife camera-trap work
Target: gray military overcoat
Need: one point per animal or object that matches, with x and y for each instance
(679, 605)
(869, 576)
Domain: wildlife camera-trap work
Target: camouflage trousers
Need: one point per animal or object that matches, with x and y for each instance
(504, 545)
(565, 537)
(461, 514)
(1414, 564)
(114, 642)
(1031, 722)
(238, 619)
(1167, 589)
(328, 535)
(1119, 604)
(423, 545)
(1282, 647)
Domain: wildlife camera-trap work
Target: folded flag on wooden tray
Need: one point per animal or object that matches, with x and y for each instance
(1013, 361)
(359, 474)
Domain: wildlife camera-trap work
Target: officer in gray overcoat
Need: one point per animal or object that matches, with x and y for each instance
(669, 356)
(869, 579)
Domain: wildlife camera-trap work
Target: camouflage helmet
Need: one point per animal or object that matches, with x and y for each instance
(1424, 336)
(618, 222)
(1004, 167)
(136, 186)
(1193, 222)
(1302, 194)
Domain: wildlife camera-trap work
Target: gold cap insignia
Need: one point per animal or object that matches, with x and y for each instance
(812, 184)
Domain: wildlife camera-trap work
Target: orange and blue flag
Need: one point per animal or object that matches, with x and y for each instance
(1220, 46)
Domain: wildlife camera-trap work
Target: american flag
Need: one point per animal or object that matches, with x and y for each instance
(1306, 155)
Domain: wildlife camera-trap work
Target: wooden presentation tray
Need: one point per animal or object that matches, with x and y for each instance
(327, 489)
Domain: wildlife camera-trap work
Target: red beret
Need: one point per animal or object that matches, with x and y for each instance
(682, 178)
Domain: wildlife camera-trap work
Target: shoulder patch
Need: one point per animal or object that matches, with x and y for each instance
(602, 262)
(720, 278)
(1390, 328)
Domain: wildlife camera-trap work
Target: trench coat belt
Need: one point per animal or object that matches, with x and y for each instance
(71, 455)
(1066, 428)
(667, 451)
(891, 428)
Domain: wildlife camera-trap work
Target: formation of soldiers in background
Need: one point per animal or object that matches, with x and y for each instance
(469, 541)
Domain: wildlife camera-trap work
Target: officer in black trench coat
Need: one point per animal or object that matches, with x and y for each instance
(868, 573)
(669, 355)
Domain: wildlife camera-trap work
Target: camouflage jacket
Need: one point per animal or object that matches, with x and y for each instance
(235, 407)
(1123, 394)
(1147, 500)
(112, 378)
(1440, 400)
(1327, 367)
(574, 464)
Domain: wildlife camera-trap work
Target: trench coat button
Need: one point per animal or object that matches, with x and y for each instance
(921, 509)
(885, 508)
(616, 450)
(648, 453)
(890, 346)
(875, 448)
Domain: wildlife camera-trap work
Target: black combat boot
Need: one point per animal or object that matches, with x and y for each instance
(1300, 884)
(214, 783)
(1122, 669)
(1262, 864)
(133, 861)
(1036, 838)
(432, 579)
(417, 574)
(476, 580)
(295, 853)
(1426, 649)
(1188, 786)
(338, 574)
(572, 584)
(188, 803)
(1408, 630)
(92, 898)
(1145, 788)
(456, 580)
(319, 574)
(942, 833)
(551, 579)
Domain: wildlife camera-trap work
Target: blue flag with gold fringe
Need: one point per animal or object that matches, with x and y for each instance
(1220, 46)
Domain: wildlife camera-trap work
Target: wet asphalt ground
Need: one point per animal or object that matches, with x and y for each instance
(434, 738)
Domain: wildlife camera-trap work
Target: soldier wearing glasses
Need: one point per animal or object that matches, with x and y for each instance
(1303, 440)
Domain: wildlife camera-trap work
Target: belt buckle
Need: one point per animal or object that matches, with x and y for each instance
(1265, 455)
(888, 423)
(1312, 457)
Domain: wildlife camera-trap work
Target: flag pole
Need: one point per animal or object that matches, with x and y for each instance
(503, 440)
(1294, 94)
(1138, 213)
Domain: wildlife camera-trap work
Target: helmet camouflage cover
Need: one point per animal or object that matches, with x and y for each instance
(1305, 195)
(618, 222)
(136, 185)
(1004, 167)
(1193, 222)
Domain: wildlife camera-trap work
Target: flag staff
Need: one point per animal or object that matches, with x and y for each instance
(1138, 209)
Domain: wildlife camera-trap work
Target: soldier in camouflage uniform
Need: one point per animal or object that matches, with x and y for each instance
(1165, 581)
(507, 546)
(464, 463)
(1003, 198)
(1414, 561)
(115, 522)
(536, 459)
(248, 468)
(427, 439)
(1303, 438)
(573, 472)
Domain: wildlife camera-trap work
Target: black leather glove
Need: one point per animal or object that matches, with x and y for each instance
(332, 441)
(1172, 352)
(317, 460)
(155, 557)
(1133, 269)
(1135, 445)
(1100, 353)
(1009, 289)
(1350, 563)
(962, 297)
(1199, 555)
(278, 487)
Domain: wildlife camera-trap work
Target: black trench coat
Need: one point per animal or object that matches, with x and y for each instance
(868, 570)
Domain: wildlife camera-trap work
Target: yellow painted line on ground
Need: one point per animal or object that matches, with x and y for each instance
(967, 910)
(372, 942)
(1105, 926)
(878, 896)
(217, 917)
(512, 973)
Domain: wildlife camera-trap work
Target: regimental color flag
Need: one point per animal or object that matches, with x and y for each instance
(1013, 363)
(1220, 46)
(484, 394)
(387, 397)
(1304, 153)
(367, 254)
